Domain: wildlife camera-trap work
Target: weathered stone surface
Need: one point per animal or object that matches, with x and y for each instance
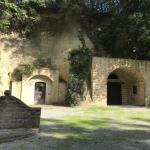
(130, 72)
(8, 135)
(15, 50)
(15, 114)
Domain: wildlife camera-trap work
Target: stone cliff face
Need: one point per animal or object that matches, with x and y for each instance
(14, 50)
(55, 46)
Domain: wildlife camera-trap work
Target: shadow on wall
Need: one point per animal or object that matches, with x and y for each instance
(62, 90)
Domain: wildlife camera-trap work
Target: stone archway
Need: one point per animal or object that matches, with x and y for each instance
(134, 76)
(39, 89)
(25, 89)
(125, 86)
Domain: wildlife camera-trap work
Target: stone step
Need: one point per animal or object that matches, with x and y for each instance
(8, 135)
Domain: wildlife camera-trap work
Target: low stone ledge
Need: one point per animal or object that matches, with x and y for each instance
(16, 114)
(17, 120)
(8, 135)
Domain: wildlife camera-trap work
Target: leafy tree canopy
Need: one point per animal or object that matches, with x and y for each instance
(123, 31)
(117, 28)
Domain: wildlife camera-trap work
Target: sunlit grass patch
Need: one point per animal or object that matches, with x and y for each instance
(87, 122)
(113, 123)
(44, 122)
(98, 108)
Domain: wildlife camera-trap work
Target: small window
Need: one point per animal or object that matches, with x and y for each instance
(134, 89)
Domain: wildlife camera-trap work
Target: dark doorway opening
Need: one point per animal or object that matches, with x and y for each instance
(113, 76)
(114, 96)
(40, 91)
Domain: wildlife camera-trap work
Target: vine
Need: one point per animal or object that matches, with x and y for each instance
(26, 69)
(80, 67)
(23, 70)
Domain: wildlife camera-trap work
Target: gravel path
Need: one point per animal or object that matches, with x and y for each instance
(98, 140)
(56, 112)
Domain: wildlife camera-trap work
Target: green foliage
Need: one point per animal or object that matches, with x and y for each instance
(80, 67)
(23, 17)
(23, 69)
(17, 17)
(73, 7)
(125, 34)
(42, 61)
(26, 69)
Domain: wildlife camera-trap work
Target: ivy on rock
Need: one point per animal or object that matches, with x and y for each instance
(80, 68)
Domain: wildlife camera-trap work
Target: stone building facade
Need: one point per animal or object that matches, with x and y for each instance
(120, 81)
(126, 80)
(114, 82)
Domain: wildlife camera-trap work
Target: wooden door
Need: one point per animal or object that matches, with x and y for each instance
(114, 96)
(40, 91)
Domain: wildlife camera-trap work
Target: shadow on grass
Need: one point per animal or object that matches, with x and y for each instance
(93, 134)
(85, 134)
(140, 119)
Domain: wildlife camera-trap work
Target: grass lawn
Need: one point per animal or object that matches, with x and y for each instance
(99, 125)
(89, 128)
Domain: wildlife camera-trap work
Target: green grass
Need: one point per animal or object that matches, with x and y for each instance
(91, 128)
(112, 123)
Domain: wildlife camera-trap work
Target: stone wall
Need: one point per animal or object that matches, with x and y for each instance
(131, 72)
(15, 114)
(62, 92)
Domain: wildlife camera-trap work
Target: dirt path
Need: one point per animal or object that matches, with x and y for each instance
(56, 112)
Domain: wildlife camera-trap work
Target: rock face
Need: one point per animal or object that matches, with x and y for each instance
(15, 50)
(15, 114)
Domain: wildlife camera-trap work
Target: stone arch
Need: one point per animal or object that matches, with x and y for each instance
(135, 69)
(40, 76)
(132, 72)
(46, 76)
(127, 89)
(45, 73)
(44, 93)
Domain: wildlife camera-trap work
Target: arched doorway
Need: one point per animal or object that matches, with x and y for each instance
(125, 86)
(114, 90)
(39, 89)
(40, 92)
